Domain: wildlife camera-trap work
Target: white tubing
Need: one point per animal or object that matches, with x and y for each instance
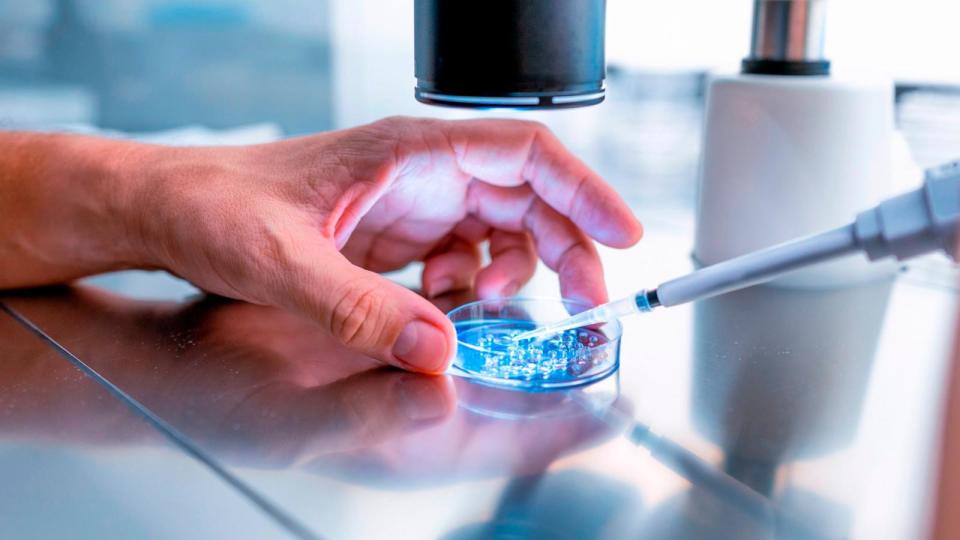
(757, 267)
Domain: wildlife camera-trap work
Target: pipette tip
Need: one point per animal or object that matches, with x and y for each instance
(533, 334)
(583, 319)
(641, 302)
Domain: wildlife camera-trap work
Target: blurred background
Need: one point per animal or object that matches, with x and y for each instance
(256, 70)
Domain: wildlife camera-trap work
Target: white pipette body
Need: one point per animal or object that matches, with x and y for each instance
(921, 221)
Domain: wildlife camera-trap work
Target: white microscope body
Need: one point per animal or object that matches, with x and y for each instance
(791, 149)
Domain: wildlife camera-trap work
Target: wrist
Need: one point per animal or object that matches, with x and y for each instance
(160, 200)
(63, 213)
(130, 183)
(101, 180)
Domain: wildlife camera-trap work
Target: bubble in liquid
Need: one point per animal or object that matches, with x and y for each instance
(492, 352)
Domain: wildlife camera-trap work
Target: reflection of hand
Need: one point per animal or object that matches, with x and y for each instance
(266, 388)
(494, 432)
(258, 384)
(306, 223)
(296, 396)
(283, 423)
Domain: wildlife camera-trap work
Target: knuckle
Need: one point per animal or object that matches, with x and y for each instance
(357, 317)
(536, 126)
(395, 122)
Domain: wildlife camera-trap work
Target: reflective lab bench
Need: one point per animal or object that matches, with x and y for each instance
(149, 411)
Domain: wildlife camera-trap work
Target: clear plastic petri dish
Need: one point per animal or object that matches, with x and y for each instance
(487, 352)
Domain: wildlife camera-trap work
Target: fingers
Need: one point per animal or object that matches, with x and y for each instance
(455, 267)
(513, 262)
(511, 153)
(452, 269)
(559, 242)
(566, 250)
(367, 312)
(288, 424)
(365, 409)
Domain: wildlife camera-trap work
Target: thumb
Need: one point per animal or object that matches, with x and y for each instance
(375, 316)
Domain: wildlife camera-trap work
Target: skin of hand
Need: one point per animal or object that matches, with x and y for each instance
(307, 224)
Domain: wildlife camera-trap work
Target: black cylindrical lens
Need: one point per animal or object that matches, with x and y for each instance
(536, 54)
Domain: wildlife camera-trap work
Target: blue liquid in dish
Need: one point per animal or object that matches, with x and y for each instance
(487, 350)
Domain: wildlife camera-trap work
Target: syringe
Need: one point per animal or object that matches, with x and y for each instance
(921, 221)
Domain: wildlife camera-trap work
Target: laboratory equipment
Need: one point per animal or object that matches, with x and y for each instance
(918, 222)
(488, 353)
(792, 146)
(524, 54)
(789, 146)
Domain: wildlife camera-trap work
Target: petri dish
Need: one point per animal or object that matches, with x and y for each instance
(487, 352)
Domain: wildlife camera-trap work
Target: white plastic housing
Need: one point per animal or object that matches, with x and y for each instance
(785, 157)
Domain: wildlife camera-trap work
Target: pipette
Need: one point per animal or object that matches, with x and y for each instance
(921, 221)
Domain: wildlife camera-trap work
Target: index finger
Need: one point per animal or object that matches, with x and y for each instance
(511, 152)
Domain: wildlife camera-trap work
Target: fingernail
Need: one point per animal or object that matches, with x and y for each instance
(421, 399)
(510, 289)
(422, 347)
(439, 286)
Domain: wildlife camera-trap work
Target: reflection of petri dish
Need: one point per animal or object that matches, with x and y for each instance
(506, 403)
(487, 353)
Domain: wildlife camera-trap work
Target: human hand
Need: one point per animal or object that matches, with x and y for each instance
(307, 223)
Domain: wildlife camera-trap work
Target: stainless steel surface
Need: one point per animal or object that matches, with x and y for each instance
(77, 463)
(791, 30)
(766, 413)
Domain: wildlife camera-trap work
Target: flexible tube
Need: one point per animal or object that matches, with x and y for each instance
(757, 267)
